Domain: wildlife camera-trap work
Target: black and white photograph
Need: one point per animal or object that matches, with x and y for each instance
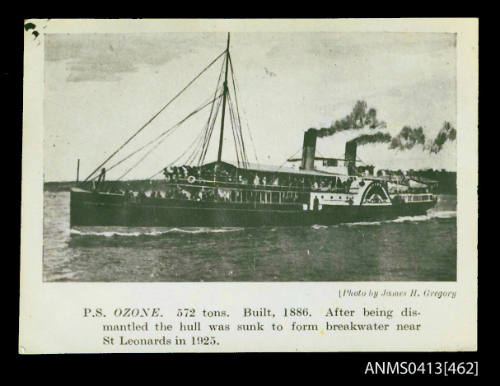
(250, 157)
(237, 185)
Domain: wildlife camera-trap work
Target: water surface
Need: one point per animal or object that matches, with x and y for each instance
(420, 248)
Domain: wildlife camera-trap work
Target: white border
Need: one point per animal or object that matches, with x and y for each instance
(50, 313)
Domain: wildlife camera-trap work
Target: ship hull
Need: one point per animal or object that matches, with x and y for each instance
(95, 209)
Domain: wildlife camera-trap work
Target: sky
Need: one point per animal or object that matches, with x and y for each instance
(101, 88)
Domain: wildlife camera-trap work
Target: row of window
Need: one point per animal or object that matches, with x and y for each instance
(332, 197)
(265, 197)
(423, 197)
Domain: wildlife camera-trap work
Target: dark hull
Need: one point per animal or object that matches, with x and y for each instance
(92, 209)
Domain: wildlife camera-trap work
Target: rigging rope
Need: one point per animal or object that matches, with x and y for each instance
(168, 131)
(196, 150)
(235, 86)
(239, 143)
(210, 131)
(242, 141)
(237, 108)
(197, 139)
(210, 122)
(161, 141)
(286, 159)
(154, 116)
(234, 135)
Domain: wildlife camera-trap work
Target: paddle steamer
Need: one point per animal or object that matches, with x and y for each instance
(307, 190)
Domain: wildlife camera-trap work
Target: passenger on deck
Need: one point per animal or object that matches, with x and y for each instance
(102, 176)
(347, 185)
(316, 204)
(209, 196)
(185, 194)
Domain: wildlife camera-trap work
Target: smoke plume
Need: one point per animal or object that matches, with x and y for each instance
(408, 138)
(366, 139)
(447, 133)
(361, 117)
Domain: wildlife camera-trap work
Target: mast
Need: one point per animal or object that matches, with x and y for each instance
(78, 171)
(221, 138)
